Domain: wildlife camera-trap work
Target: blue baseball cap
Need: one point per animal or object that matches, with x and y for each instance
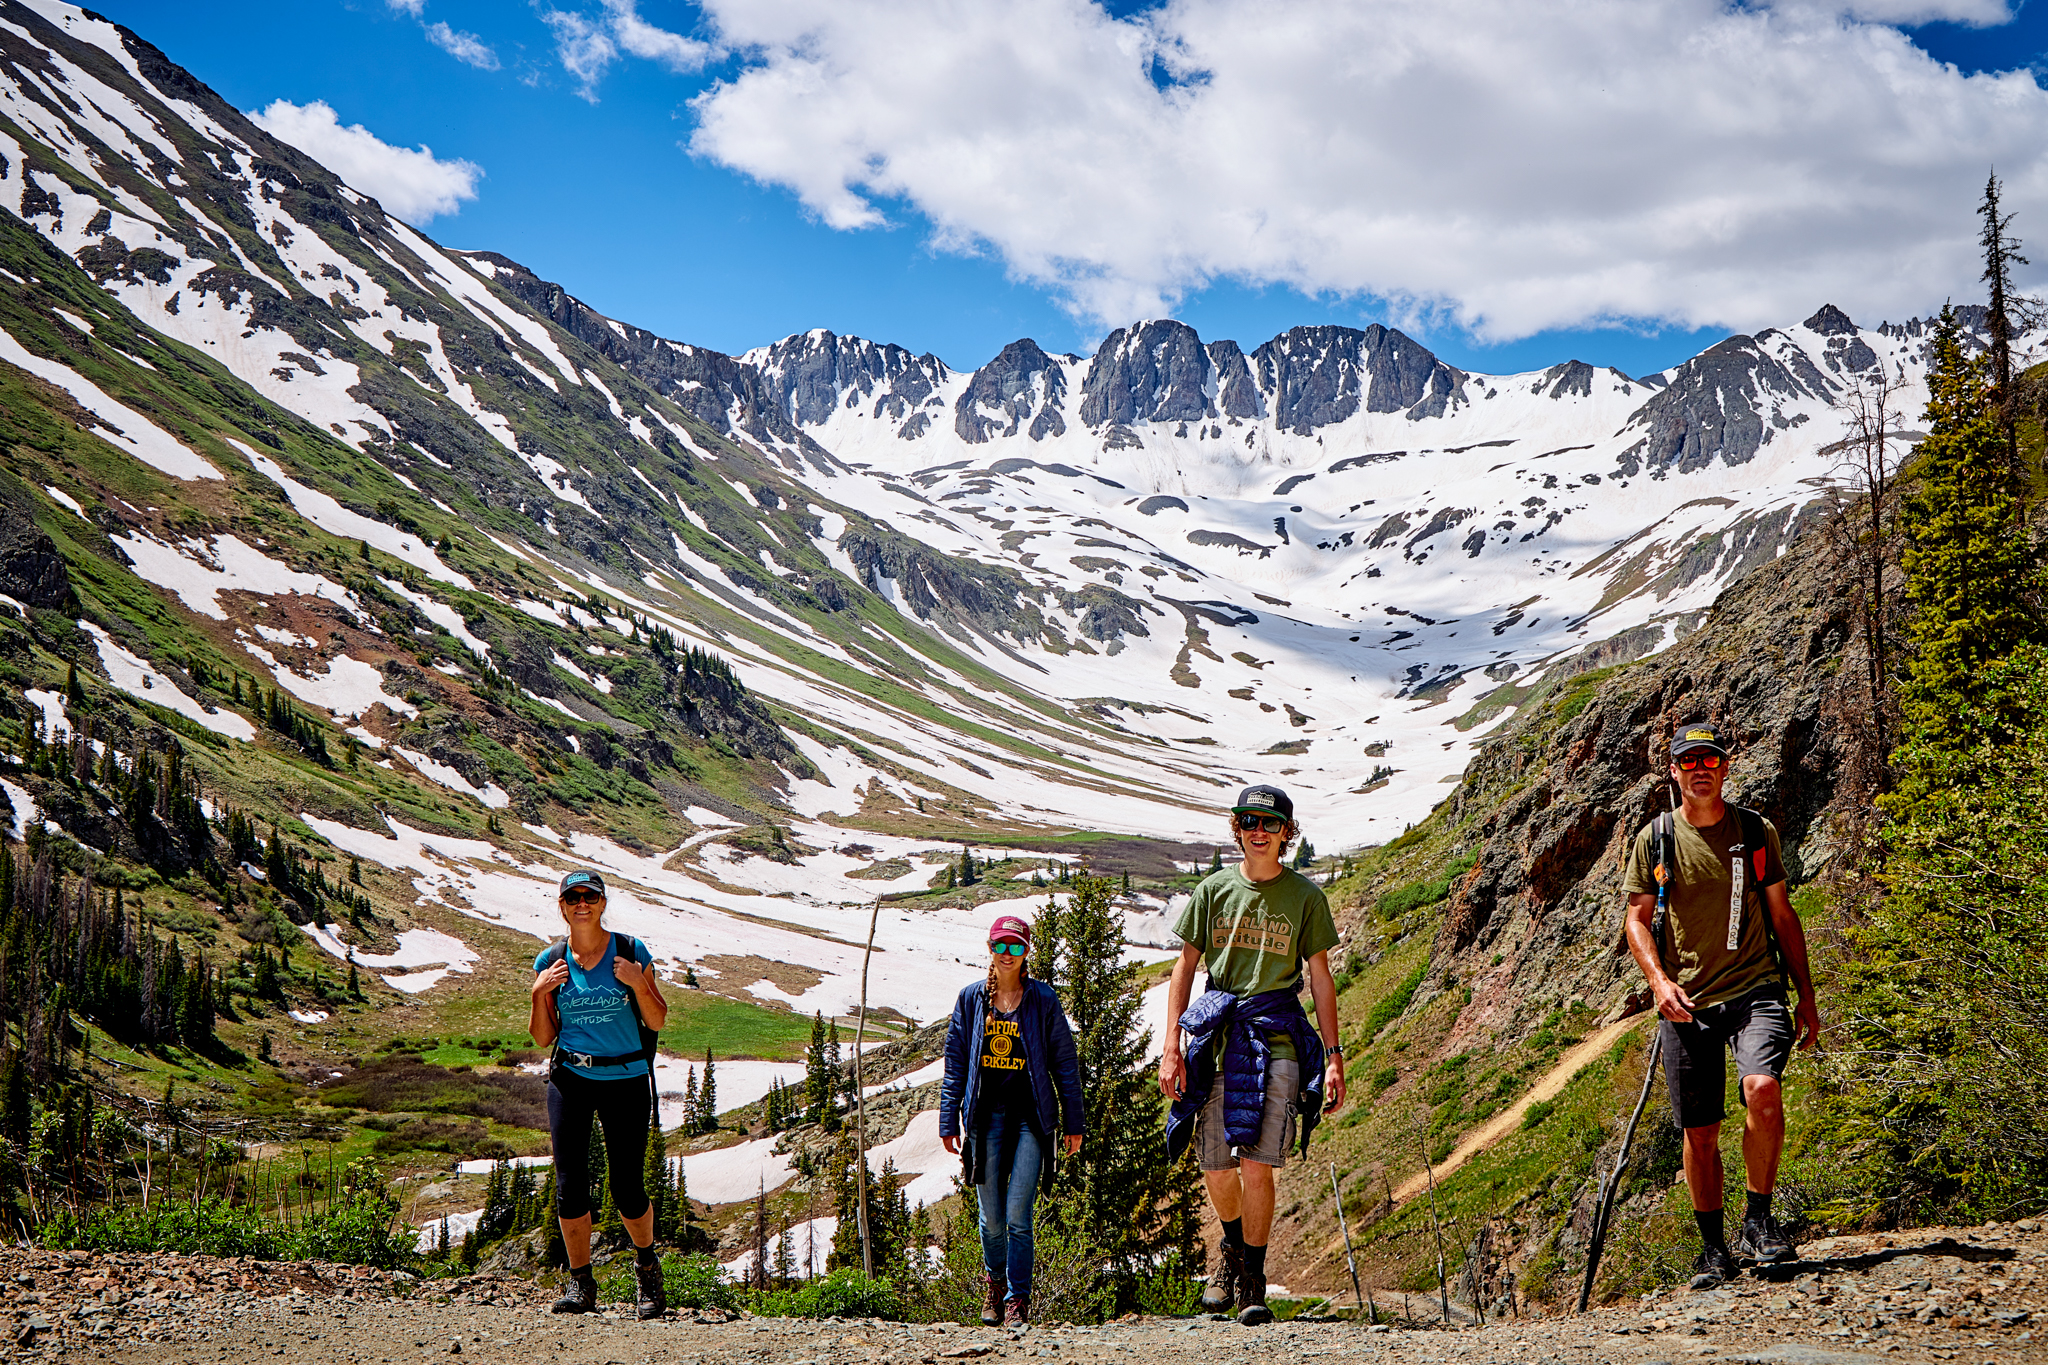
(581, 877)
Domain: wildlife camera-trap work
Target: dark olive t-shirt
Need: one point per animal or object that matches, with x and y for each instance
(1696, 951)
(1254, 936)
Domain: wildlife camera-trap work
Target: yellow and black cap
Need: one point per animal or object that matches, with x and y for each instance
(1699, 737)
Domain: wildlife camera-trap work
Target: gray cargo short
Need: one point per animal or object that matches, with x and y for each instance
(1276, 1122)
(1756, 1027)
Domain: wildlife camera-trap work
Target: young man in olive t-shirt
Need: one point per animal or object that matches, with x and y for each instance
(1719, 987)
(1257, 927)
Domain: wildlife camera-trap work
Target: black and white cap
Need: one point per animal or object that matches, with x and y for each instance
(1265, 800)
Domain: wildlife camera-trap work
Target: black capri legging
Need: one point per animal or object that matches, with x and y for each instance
(623, 1108)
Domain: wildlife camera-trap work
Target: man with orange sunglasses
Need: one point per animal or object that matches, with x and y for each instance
(1730, 942)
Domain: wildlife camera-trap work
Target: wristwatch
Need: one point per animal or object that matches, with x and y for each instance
(1333, 1049)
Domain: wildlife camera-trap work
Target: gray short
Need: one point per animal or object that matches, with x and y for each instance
(1756, 1027)
(1276, 1123)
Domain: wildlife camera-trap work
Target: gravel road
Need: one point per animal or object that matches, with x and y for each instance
(1967, 1295)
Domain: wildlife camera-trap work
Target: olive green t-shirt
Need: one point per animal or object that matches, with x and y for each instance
(1696, 952)
(1254, 936)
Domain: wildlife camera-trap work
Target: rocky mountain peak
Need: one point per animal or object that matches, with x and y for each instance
(1151, 372)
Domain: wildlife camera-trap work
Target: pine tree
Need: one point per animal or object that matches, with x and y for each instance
(1116, 1185)
(817, 1080)
(654, 1175)
(968, 875)
(74, 694)
(1216, 860)
(1045, 943)
(1970, 565)
(2007, 314)
(707, 1095)
(693, 1118)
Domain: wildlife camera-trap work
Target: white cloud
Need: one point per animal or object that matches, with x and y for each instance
(585, 48)
(464, 47)
(1514, 167)
(588, 46)
(415, 8)
(643, 39)
(410, 182)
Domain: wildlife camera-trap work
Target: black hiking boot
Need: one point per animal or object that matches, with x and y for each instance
(580, 1296)
(653, 1293)
(1016, 1312)
(1220, 1294)
(1251, 1299)
(1716, 1265)
(992, 1307)
(1767, 1242)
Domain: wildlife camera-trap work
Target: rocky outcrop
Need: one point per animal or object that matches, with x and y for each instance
(31, 569)
(993, 600)
(1021, 385)
(1719, 406)
(1153, 372)
(1320, 376)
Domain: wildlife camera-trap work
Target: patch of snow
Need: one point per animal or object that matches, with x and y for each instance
(308, 1016)
(236, 567)
(458, 1225)
(26, 811)
(484, 1167)
(121, 427)
(349, 687)
(51, 704)
(65, 498)
(491, 794)
(329, 515)
(135, 677)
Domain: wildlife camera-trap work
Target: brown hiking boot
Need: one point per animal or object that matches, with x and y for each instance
(580, 1296)
(1251, 1300)
(992, 1308)
(1220, 1294)
(1016, 1312)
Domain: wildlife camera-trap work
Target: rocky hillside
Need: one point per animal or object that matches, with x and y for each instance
(1485, 943)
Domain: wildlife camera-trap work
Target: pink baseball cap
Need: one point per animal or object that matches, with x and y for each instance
(1011, 929)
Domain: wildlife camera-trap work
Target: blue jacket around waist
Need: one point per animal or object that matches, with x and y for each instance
(1055, 1069)
(1243, 1024)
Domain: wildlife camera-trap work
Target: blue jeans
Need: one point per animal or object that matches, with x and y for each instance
(1009, 1186)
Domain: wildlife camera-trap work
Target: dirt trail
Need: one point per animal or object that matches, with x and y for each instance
(1965, 1296)
(1509, 1119)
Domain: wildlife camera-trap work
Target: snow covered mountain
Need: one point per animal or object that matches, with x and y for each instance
(1055, 591)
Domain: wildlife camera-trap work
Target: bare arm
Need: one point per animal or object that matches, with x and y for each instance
(541, 1020)
(1323, 991)
(1173, 1068)
(1672, 1003)
(1792, 943)
(641, 981)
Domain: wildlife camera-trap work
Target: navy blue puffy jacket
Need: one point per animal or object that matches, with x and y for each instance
(1243, 1024)
(1055, 1068)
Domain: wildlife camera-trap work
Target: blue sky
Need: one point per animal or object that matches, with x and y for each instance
(602, 196)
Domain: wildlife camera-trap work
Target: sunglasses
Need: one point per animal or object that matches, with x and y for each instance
(1687, 762)
(1271, 824)
(582, 896)
(1008, 949)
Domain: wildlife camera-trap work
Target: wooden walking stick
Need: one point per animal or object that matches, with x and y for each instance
(860, 1176)
(1350, 1262)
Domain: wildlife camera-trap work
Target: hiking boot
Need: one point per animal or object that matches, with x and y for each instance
(653, 1295)
(1220, 1294)
(1716, 1265)
(1251, 1299)
(580, 1296)
(1016, 1312)
(992, 1307)
(1766, 1241)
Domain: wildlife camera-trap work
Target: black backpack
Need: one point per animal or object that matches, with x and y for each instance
(623, 946)
(1748, 856)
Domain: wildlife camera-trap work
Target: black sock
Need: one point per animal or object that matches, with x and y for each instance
(1759, 1206)
(1710, 1227)
(644, 1255)
(582, 1272)
(1254, 1260)
(1233, 1232)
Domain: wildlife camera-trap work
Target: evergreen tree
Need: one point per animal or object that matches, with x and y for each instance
(2007, 314)
(1115, 1188)
(1970, 564)
(707, 1095)
(693, 1118)
(817, 1076)
(654, 1175)
(968, 875)
(1216, 860)
(74, 693)
(1045, 943)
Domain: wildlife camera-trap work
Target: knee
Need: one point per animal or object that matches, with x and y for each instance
(1703, 1142)
(1765, 1097)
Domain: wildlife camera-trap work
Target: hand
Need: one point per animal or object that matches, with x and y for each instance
(952, 1144)
(1173, 1073)
(629, 973)
(554, 976)
(1806, 1018)
(1673, 1003)
(1333, 1085)
(1073, 1143)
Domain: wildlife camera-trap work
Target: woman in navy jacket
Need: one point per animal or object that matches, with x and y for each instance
(1012, 1080)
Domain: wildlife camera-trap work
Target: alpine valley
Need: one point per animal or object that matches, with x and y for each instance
(419, 563)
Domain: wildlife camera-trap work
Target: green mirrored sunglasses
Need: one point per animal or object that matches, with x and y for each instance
(1009, 949)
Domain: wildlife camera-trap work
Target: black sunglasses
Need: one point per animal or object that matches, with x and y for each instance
(1271, 824)
(582, 895)
(1687, 762)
